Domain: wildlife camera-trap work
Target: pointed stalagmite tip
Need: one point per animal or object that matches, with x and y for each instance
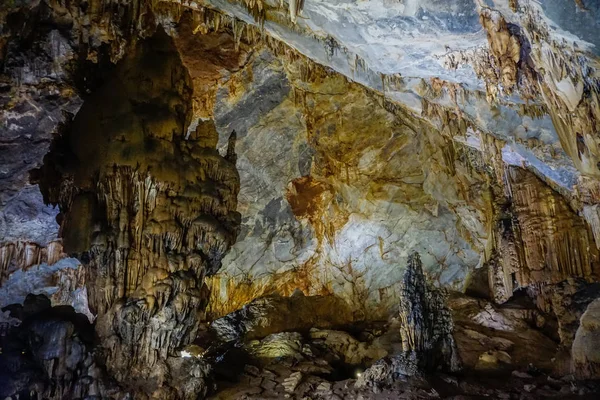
(231, 156)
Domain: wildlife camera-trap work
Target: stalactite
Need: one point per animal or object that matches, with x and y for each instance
(296, 7)
(23, 255)
(538, 239)
(158, 223)
(591, 213)
(556, 242)
(504, 46)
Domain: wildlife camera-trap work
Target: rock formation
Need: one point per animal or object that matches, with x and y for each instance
(426, 322)
(274, 314)
(426, 332)
(153, 214)
(50, 353)
(586, 362)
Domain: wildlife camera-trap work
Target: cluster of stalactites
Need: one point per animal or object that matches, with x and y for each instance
(160, 238)
(547, 242)
(258, 9)
(426, 322)
(154, 322)
(296, 7)
(23, 255)
(527, 59)
(153, 226)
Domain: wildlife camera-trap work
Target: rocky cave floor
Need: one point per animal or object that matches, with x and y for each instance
(282, 379)
(298, 347)
(504, 355)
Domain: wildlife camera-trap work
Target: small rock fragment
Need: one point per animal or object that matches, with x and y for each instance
(522, 375)
(291, 382)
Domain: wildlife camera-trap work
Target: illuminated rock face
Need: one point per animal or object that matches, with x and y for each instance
(539, 239)
(337, 189)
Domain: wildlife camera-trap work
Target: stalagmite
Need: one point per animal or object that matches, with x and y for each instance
(426, 333)
(426, 324)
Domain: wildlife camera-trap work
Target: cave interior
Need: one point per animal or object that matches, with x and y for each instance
(320, 199)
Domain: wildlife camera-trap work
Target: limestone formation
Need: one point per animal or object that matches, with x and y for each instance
(426, 334)
(272, 314)
(426, 325)
(51, 354)
(153, 213)
(23, 255)
(586, 360)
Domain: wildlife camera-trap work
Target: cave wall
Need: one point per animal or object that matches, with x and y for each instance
(335, 192)
(443, 208)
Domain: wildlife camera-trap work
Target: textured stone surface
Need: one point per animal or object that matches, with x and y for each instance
(586, 360)
(426, 323)
(152, 213)
(63, 282)
(272, 314)
(367, 40)
(49, 354)
(317, 216)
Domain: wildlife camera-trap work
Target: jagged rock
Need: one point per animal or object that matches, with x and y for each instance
(491, 318)
(323, 390)
(63, 282)
(426, 330)
(529, 388)
(50, 354)
(350, 350)
(291, 382)
(388, 370)
(476, 322)
(284, 344)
